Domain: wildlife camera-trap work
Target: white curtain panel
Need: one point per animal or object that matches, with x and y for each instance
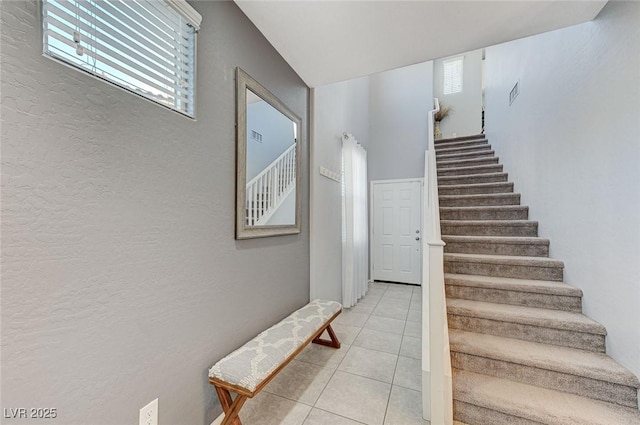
(355, 229)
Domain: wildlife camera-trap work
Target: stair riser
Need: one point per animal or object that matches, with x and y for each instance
(582, 386)
(489, 230)
(504, 270)
(565, 338)
(454, 140)
(465, 171)
(465, 155)
(459, 150)
(508, 214)
(480, 201)
(455, 144)
(442, 165)
(476, 415)
(525, 299)
(471, 190)
(521, 250)
(487, 178)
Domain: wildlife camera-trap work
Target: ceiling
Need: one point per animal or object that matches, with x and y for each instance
(331, 41)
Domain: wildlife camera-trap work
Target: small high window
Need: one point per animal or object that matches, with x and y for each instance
(453, 73)
(147, 47)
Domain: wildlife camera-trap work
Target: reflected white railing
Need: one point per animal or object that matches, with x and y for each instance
(267, 190)
(437, 397)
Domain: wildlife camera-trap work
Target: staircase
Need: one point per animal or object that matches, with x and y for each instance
(521, 350)
(268, 190)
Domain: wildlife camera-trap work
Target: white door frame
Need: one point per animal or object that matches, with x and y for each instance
(371, 224)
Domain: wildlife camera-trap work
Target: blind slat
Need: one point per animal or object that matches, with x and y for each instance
(137, 79)
(131, 80)
(144, 46)
(164, 75)
(138, 33)
(136, 28)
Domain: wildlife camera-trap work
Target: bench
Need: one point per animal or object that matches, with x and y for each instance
(249, 368)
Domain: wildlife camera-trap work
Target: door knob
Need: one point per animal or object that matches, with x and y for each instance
(417, 238)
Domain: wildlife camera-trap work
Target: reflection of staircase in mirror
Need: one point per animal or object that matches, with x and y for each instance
(266, 192)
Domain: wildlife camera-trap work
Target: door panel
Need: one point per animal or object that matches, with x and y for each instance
(397, 230)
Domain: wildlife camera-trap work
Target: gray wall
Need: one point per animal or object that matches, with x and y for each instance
(399, 102)
(337, 108)
(387, 114)
(571, 143)
(121, 278)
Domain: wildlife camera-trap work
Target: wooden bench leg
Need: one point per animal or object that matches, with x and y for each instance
(230, 407)
(333, 342)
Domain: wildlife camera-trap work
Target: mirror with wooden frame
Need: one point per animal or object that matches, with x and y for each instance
(268, 187)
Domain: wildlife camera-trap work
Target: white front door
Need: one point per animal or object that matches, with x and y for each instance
(397, 231)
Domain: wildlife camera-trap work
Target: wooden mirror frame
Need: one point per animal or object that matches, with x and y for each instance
(243, 82)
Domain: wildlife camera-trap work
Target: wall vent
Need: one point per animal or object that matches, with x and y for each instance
(256, 136)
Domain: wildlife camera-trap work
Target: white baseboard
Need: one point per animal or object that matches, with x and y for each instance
(218, 420)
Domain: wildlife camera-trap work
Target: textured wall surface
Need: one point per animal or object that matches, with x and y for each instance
(121, 278)
(337, 108)
(399, 102)
(571, 143)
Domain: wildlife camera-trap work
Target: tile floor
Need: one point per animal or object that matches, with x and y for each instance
(373, 379)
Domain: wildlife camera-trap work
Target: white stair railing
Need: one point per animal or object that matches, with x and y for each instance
(266, 191)
(437, 397)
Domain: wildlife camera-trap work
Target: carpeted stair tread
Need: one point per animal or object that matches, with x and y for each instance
(478, 200)
(465, 151)
(473, 178)
(476, 188)
(476, 169)
(473, 185)
(475, 153)
(489, 212)
(497, 263)
(514, 223)
(517, 228)
(598, 366)
(523, 292)
(461, 144)
(480, 196)
(512, 240)
(548, 287)
(444, 181)
(535, 404)
(470, 162)
(503, 259)
(459, 139)
(542, 317)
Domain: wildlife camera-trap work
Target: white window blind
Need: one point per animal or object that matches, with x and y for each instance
(453, 75)
(145, 46)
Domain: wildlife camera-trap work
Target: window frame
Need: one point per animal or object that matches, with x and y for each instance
(188, 17)
(449, 62)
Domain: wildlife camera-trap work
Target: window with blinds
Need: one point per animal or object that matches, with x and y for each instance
(147, 47)
(453, 75)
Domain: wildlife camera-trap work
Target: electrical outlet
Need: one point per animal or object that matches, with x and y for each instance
(149, 413)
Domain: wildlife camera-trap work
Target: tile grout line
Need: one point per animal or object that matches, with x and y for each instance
(386, 410)
(337, 367)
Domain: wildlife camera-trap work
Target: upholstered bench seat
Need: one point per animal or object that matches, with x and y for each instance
(249, 368)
